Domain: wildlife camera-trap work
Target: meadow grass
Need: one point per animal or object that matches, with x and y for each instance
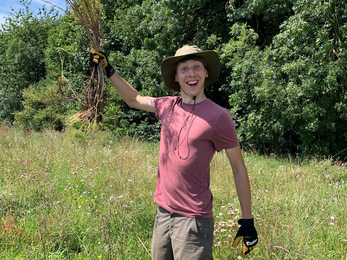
(90, 196)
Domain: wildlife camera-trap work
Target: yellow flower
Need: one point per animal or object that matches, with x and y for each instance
(99, 256)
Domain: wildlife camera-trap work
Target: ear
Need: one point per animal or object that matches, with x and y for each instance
(176, 78)
(206, 74)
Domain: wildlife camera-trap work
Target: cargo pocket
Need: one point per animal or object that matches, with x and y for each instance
(204, 227)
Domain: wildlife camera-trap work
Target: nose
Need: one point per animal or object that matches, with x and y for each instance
(191, 72)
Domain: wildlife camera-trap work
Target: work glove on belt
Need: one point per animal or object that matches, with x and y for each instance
(94, 60)
(248, 234)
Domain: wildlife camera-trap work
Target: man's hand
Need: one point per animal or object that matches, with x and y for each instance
(248, 234)
(94, 60)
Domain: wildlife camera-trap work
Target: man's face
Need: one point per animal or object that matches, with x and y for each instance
(191, 76)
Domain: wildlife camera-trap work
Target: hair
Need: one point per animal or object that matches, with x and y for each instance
(190, 57)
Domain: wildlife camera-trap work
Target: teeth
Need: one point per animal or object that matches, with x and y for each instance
(192, 82)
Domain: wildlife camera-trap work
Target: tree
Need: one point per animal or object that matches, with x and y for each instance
(291, 96)
(24, 39)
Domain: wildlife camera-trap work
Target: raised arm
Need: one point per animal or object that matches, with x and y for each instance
(123, 88)
(130, 95)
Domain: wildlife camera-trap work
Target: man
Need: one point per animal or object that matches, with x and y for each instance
(193, 129)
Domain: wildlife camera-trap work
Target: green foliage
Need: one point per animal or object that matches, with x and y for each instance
(24, 39)
(291, 96)
(43, 107)
(283, 71)
(264, 17)
(66, 49)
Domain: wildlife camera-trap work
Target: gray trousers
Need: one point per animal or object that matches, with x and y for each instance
(176, 237)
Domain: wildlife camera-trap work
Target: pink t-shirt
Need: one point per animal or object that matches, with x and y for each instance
(183, 180)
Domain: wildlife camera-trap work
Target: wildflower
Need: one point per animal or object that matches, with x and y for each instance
(331, 224)
(111, 197)
(121, 196)
(58, 202)
(89, 214)
(106, 248)
(61, 224)
(85, 176)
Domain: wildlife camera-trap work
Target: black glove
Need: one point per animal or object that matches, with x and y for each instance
(248, 234)
(94, 59)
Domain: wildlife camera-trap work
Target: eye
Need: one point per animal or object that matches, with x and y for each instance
(184, 69)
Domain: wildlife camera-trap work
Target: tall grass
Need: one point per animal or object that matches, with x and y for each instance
(90, 196)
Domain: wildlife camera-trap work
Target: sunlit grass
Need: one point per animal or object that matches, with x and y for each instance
(90, 196)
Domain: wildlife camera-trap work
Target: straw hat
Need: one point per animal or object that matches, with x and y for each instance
(210, 58)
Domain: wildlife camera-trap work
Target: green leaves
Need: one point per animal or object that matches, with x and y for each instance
(288, 97)
(24, 39)
(43, 107)
(283, 71)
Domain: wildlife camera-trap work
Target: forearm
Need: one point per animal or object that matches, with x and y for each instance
(130, 95)
(243, 192)
(124, 89)
(241, 180)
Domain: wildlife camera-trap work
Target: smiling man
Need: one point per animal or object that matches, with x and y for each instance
(193, 128)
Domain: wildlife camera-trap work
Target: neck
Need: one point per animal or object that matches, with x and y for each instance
(189, 99)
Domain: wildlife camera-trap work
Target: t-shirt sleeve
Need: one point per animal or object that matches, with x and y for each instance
(161, 104)
(224, 136)
(157, 107)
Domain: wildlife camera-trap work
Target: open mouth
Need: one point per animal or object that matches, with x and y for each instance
(192, 83)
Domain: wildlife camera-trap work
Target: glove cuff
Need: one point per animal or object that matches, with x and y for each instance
(109, 70)
(247, 223)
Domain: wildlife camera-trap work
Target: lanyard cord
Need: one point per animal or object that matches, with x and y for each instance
(187, 133)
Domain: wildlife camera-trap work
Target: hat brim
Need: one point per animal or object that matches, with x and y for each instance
(211, 59)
